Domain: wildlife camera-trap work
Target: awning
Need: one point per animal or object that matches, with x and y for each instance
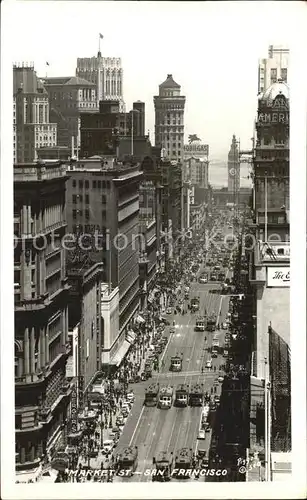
(140, 319)
(122, 351)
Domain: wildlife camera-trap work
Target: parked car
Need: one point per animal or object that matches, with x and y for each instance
(217, 399)
(221, 378)
(107, 446)
(169, 310)
(201, 434)
(130, 396)
(120, 421)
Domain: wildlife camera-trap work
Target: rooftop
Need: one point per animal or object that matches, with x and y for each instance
(278, 88)
(39, 171)
(169, 83)
(67, 80)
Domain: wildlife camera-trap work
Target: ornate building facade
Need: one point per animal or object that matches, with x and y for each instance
(41, 313)
(169, 119)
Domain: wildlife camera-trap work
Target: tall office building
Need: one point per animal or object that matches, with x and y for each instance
(41, 313)
(31, 126)
(169, 119)
(273, 68)
(270, 272)
(106, 73)
(103, 201)
(68, 97)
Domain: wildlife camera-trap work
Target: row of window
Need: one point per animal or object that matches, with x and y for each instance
(95, 184)
(88, 228)
(79, 213)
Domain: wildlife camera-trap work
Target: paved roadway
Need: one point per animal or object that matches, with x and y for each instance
(152, 429)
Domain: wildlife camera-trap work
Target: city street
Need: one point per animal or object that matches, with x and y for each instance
(153, 430)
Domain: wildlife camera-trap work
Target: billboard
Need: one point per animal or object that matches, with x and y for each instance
(196, 149)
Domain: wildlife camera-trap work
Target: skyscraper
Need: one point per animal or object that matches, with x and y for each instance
(31, 126)
(273, 68)
(106, 73)
(169, 119)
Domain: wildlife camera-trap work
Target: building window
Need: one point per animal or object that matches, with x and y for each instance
(80, 198)
(283, 74)
(74, 214)
(103, 213)
(87, 214)
(80, 184)
(74, 199)
(80, 212)
(99, 184)
(103, 199)
(87, 184)
(87, 199)
(94, 184)
(17, 421)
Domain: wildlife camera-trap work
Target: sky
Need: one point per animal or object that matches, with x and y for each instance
(210, 48)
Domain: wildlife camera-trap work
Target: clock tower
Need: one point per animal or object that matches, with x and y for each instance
(234, 169)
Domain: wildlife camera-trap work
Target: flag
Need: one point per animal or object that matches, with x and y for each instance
(100, 35)
(47, 63)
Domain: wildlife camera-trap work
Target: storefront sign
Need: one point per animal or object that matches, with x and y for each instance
(74, 410)
(278, 276)
(80, 390)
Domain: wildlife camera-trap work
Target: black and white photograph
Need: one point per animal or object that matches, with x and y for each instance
(152, 331)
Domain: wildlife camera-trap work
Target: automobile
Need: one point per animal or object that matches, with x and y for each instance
(212, 406)
(114, 433)
(172, 329)
(224, 325)
(107, 446)
(201, 434)
(166, 322)
(130, 396)
(124, 413)
(209, 363)
(164, 340)
(217, 268)
(225, 353)
(70, 450)
(217, 399)
(202, 279)
(220, 378)
(127, 404)
(120, 421)
(169, 310)
(213, 277)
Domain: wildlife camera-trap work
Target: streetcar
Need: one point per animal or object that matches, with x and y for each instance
(196, 396)
(166, 397)
(182, 395)
(176, 363)
(211, 323)
(200, 324)
(164, 464)
(151, 395)
(195, 304)
(127, 461)
(184, 461)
